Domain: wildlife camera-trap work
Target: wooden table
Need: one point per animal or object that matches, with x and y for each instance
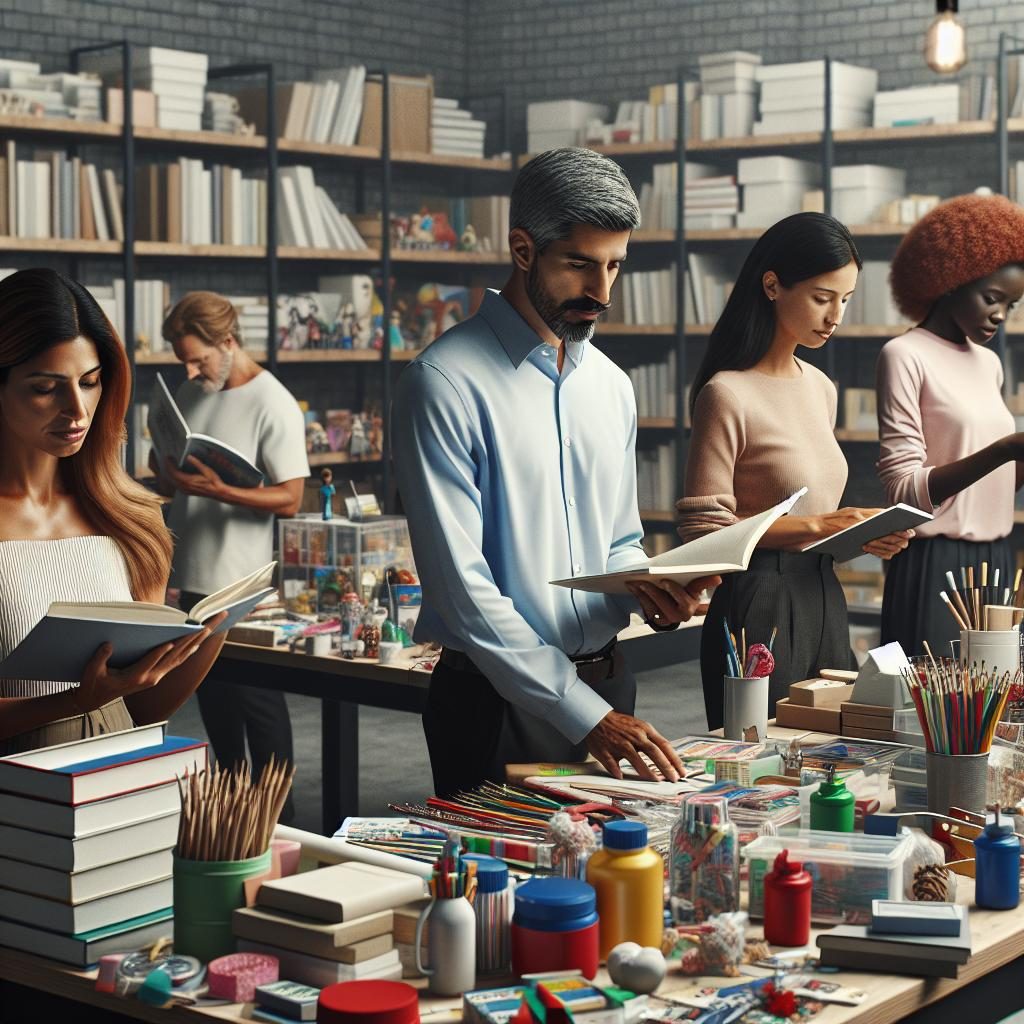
(342, 686)
(990, 985)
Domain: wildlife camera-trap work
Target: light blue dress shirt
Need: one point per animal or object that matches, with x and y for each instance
(513, 474)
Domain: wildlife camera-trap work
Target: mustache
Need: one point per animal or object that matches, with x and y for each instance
(585, 306)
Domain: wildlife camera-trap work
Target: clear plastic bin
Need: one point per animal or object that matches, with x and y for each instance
(849, 871)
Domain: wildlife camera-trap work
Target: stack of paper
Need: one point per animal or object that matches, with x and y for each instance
(793, 97)
(728, 99)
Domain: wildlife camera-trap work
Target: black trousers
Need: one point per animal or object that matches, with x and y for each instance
(912, 611)
(233, 714)
(800, 594)
(472, 732)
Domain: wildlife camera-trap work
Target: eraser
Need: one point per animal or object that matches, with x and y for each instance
(238, 975)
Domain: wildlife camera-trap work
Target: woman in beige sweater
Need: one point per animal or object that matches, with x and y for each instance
(763, 423)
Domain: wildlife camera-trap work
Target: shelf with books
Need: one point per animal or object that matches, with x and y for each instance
(71, 246)
(298, 252)
(193, 251)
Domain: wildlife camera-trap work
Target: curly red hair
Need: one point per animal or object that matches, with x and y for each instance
(961, 240)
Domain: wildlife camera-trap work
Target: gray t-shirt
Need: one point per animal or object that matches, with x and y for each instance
(216, 543)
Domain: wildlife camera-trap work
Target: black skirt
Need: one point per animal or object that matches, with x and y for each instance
(800, 594)
(912, 610)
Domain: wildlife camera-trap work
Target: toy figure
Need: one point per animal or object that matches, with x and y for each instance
(395, 339)
(358, 446)
(316, 437)
(347, 320)
(327, 491)
(444, 233)
(468, 241)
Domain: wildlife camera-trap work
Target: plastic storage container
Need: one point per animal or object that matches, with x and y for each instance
(554, 927)
(787, 903)
(493, 907)
(629, 879)
(848, 871)
(704, 860)
(997, 865)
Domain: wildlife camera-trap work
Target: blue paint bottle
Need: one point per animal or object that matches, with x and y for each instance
(997, 865)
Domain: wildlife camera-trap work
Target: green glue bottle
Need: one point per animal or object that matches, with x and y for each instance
(832, 805)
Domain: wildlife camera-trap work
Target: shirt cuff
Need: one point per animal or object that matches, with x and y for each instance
(578, 711)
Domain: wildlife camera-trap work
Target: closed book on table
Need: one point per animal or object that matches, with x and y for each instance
(314, 970)
(881, 963)
(341, 892)
(73, 919)
(82, 886)
(85, 949)
(915, 918)
(306, 935)
(90, 851)
(928, 955)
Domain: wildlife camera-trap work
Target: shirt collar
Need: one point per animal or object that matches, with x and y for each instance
(516, 336)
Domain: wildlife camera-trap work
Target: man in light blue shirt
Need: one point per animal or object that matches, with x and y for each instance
(515, 455)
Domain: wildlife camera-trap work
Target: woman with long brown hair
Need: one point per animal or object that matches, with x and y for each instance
(74, 526)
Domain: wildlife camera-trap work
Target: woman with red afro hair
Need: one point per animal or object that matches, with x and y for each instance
(947, 438)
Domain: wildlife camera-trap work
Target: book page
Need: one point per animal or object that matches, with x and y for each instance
(255, 583)
(166, 424)
(227, 462)
(116, 611)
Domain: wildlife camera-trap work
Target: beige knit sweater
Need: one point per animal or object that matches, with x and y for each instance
(756, 439)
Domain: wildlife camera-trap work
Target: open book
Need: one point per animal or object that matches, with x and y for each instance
(724, 551)
(849, 543)
(62, 642)
(172, 438)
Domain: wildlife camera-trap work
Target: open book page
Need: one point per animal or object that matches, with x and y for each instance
(227, 462)
(166, 424)
(724, 551)
(116, 611)
(256, 583)
(849, 543)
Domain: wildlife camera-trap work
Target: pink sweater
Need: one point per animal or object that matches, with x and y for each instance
(939, 401)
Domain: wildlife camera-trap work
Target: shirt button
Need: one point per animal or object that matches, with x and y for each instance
(572, 503)
(577, 569)
(568, 442)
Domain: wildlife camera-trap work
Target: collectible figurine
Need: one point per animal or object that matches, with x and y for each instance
(468, 242)
(327, 491)
(395, 339)
(358, 445)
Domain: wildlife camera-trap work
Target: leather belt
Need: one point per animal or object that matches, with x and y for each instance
(460, 662)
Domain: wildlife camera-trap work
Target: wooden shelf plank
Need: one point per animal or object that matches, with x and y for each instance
(1018, 516)
(301, 146)
(180, 137)
(89, 247)
(297, 252)
(468, 163)
(635, 331)
(193, 251)
(843, 434)
(917, 132)
(486, 259)
(653, 237)
(656, 422)
(344, 355)
(339, 459)
(58, 126)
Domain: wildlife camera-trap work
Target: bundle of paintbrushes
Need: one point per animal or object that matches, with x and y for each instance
(225, 815)
(983, 607)
(958, 706)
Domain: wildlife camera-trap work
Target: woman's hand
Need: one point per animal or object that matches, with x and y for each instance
(889, 545)
(832, 522)
(101, 684)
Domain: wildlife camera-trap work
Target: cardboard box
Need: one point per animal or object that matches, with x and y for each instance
(143, 107)
(882, 716)
(412, 104)
(868, 722)
(795, 716)
(820, 693)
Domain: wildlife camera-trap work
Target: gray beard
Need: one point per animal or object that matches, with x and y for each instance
(550, 312)
(211, 387)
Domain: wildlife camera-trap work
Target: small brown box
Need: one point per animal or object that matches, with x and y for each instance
(881, 715)
(143, 107)
(796, 716)
(820, 693)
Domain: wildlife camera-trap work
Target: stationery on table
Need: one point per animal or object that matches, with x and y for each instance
(849, 543)
(985, 607)
(61, 644)
(715, 554)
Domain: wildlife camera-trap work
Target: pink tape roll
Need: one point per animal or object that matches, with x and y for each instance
(237, 975)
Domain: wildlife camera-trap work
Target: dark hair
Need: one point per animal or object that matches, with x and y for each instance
(40, 308)
(797, 248)
(568, 186)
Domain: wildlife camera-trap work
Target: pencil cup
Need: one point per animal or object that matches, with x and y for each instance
(746, 705)
(206, 894)
(999, 649)
(956, 780)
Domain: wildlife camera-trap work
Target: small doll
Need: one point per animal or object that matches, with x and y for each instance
(327, 491)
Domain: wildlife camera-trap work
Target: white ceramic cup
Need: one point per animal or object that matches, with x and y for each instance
(746, 705)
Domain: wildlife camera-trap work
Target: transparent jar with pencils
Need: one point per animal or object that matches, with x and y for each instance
(704, 861)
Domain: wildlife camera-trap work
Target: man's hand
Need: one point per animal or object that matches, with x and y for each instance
(619, 736)
(667, 603)
(204, 483)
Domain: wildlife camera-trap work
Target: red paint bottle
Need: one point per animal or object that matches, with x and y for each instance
(787, 903)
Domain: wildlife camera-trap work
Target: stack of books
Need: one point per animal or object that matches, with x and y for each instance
(86, 834)
(152, 300)
(923, 104)
(307, 216)
(656, 477)
(176, 77)
(793, 97)
(646, 298)
(60, 94)
(872, 302)
(711, 201)
(454, 131)
(928, 940)
(654, 385)
(773, 187)
(860, 192)
(220, 114)
(709, 286)
(329, 925)
(728, 101)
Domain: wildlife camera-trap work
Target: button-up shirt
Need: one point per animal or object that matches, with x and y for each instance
(513, 473)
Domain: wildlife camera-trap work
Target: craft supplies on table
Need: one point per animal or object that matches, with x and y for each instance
(787, 903)
(452, 967)
(848, 871)
(832, 805)
(493, 908)
(555, 927)
(704, 862)
(997, 864)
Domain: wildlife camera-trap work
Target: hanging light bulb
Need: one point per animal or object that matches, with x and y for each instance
(945, 45)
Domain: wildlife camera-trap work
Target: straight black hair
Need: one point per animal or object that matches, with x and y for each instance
(797, 248)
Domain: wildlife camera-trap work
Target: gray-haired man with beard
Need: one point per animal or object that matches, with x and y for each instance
(514, 448)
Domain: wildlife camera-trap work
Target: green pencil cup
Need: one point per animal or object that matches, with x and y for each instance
(206, 894)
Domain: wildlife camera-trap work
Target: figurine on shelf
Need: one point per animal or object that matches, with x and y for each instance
(327, 491)
(468, 242)
(347, 322)
(316, 437)
(395, 339)
(358, 445)
(444, 233)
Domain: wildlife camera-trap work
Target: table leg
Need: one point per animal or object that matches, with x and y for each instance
(339, 762)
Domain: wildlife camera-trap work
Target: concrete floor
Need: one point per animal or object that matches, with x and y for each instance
(669, 697)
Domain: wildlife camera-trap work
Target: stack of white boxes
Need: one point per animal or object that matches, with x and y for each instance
(559, 123)
(924, 104)
(773, 188)
(859, 191)
(793, 97)
(728, 102)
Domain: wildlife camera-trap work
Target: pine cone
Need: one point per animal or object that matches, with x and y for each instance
(931, 883)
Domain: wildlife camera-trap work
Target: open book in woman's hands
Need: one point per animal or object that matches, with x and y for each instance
(62, 642)
(715, 554)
